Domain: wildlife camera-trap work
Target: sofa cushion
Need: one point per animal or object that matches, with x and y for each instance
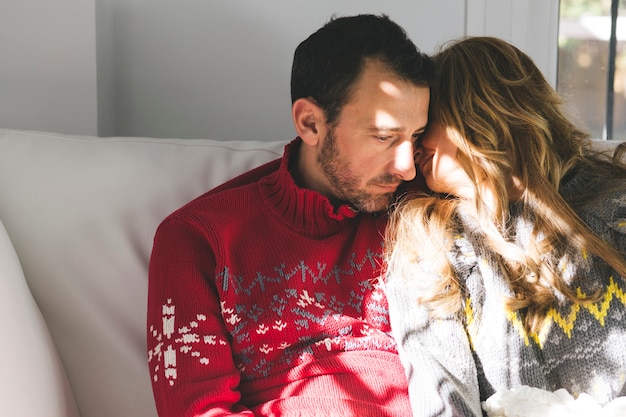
(82, 212)
(33, 380)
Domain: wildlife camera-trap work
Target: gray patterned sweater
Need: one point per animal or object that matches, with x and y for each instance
(454, 364)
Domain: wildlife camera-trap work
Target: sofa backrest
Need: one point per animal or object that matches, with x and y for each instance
(81, 213)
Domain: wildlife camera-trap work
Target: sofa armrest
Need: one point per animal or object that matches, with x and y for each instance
(33, 379)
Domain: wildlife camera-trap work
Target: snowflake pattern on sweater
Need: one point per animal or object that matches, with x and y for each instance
(263, 297)
(279, 333)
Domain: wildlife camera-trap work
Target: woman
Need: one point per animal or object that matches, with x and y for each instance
(511, 270)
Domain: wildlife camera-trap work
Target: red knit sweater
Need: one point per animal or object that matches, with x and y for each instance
(264, 300)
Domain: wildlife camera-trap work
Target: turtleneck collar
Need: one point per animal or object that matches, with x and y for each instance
(307, 212)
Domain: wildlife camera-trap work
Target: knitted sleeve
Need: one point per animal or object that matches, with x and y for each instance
(436, 355)
(189, 354)
(607, 218)
(601, 204)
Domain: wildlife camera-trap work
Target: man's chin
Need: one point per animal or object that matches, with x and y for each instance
(374, 204)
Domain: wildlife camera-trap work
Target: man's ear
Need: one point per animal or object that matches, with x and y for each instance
(308, 119)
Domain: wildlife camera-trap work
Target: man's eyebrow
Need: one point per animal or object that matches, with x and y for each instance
(383, 128)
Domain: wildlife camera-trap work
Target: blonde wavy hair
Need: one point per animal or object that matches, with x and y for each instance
(508, 125)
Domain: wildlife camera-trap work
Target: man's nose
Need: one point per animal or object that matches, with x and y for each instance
(404, 161)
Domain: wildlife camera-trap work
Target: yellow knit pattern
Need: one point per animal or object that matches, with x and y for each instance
(599, 310)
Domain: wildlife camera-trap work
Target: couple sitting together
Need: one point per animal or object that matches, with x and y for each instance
(438, 231)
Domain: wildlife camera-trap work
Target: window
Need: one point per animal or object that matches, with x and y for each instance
(591, 74)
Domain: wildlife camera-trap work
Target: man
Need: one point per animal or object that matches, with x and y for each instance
(265, 289)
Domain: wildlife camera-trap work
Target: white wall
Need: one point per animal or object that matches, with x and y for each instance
(220, 69)
(212, 69)
(48, 65)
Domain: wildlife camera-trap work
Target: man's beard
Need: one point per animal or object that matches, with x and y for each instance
(345, 185)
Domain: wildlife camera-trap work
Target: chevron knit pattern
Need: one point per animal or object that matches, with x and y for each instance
(580, 348)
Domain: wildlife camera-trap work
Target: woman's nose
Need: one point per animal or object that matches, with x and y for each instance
(417, 153)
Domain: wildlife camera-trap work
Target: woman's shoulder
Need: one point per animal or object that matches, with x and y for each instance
(604, 209)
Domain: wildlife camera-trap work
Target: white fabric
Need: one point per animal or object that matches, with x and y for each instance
(534, 402)
(33, 381)
(82, 212)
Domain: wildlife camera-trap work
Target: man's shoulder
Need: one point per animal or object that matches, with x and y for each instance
(248, 177)
(222, 195)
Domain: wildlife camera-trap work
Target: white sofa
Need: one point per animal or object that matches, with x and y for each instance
(79, 215)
